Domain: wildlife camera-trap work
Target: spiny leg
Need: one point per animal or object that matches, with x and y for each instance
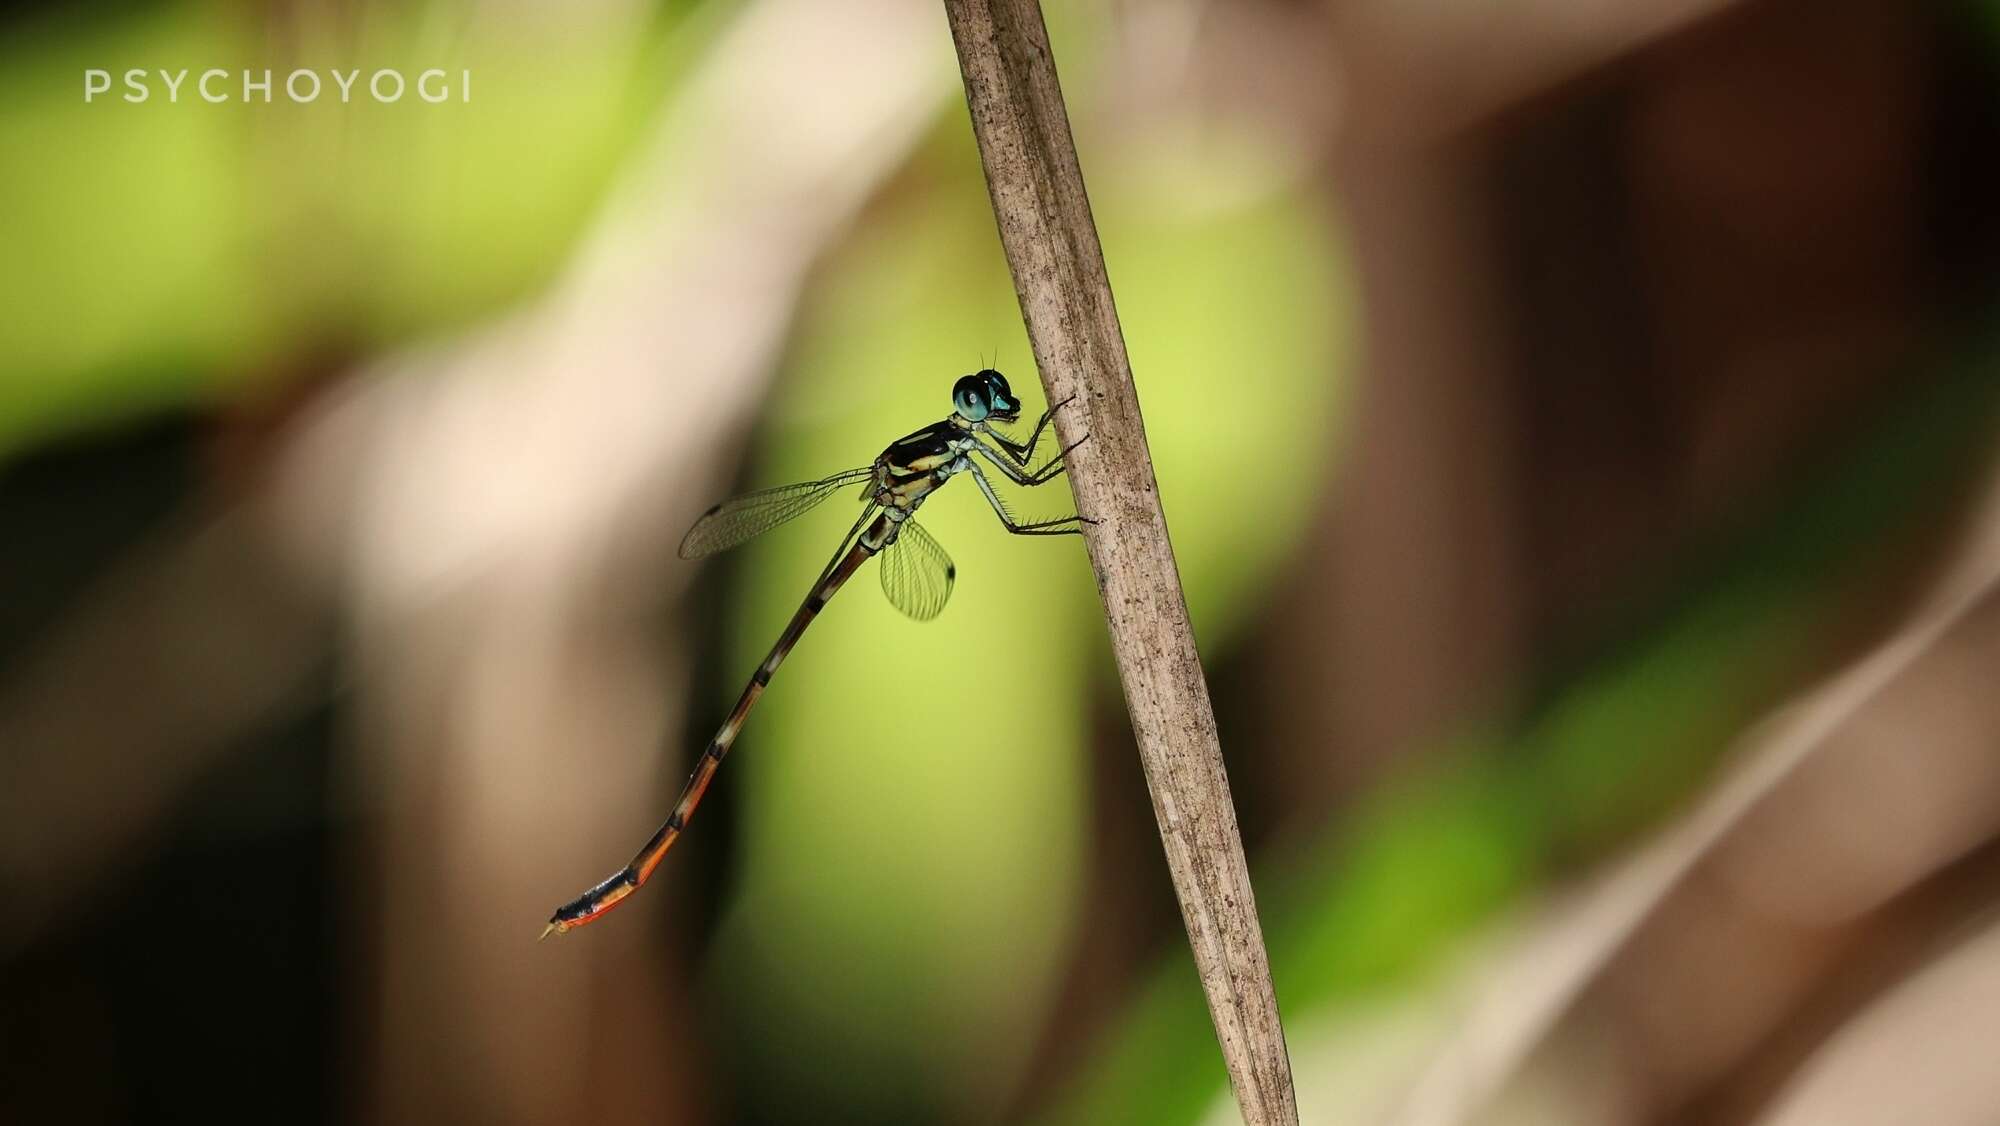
(1067, 526)
(1015, 473)
(1062, 526)
(1023, 453)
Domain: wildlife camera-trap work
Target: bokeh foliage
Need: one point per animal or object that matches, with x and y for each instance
(162, 252)
(1387, 896)
(914, 797)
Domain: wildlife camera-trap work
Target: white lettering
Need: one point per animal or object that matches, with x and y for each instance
(375, 85)
(387, 85)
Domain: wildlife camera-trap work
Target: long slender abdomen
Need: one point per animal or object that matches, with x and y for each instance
(595, 902)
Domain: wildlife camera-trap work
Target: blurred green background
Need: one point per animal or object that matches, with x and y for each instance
(1534, 409)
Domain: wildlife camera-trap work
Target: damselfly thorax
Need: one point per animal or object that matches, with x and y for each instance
(917, 465)
(917, 575)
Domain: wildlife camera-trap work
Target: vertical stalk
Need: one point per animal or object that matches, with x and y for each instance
(1052, 249)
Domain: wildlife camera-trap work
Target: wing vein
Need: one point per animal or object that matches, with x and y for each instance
(917, 574)
(752, 514)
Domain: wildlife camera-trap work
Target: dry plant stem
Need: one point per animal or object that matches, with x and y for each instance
(1058, 267)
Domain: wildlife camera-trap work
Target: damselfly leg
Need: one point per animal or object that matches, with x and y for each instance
(1024, 452)
(1014, 468)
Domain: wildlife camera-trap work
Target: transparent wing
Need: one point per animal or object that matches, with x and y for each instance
(753, 514)
(916, 573)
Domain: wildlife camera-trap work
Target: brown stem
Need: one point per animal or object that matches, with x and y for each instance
(1058, 267)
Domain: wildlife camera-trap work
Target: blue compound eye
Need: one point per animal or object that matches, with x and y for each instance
(972, 397)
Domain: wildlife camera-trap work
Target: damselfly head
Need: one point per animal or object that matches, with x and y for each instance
(985, 394)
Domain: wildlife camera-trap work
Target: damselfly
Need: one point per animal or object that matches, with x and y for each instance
(916, 573)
